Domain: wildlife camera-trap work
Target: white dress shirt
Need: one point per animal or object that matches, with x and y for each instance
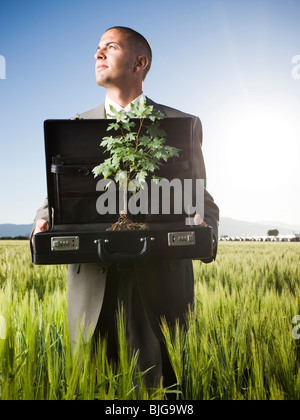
(109, 102)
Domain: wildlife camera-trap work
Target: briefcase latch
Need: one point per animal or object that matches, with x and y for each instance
(181, 238)
(65, 243)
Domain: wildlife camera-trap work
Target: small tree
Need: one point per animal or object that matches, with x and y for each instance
(135, 154)
(273, 232)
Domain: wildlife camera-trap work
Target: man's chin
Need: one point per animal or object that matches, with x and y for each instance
(101, 82)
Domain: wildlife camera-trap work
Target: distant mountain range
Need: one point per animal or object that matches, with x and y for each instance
(233, 227)
(13, 231)
(228, 226)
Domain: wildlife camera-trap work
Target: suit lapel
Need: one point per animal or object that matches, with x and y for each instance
(102, 113)
(99, 112)
(156, 106)
(93, 114)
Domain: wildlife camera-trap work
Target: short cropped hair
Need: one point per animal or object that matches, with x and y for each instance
(141, 45)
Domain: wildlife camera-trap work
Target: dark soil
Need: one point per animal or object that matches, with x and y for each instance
(124, 223)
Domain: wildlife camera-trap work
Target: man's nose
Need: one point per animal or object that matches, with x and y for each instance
(99, 54)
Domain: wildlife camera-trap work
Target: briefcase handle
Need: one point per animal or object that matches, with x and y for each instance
(71, 169)
(106, 256)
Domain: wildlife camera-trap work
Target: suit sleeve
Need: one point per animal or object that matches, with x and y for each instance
(211, 210)
(42, 213)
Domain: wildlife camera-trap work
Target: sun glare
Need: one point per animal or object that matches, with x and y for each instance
(261, 142)
(258, 151)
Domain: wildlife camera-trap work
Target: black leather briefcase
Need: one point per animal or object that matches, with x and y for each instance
(78, 231)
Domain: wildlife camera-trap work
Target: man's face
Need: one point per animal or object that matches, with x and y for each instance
(115, 60)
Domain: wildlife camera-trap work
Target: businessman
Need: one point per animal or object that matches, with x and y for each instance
(148, 291)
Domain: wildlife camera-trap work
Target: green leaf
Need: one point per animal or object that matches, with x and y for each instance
(154, 130)
(144, 140)
(140, 152)
(128, 125)
(130, 137)
(113, 126)
(141, 176)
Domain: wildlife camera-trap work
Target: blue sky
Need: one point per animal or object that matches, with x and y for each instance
(229, 62)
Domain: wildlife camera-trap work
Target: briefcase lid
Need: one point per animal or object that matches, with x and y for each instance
(72, 150)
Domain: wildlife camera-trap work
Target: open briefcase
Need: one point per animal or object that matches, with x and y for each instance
(78, 229)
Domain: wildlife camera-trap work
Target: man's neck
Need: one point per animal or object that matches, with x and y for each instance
(123, 98)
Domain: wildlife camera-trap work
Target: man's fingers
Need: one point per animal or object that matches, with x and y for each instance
(199, 221)
(41, 226)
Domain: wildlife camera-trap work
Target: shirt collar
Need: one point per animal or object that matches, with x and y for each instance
(109, 102)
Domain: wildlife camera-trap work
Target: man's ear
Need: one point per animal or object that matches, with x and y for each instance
(141, 63)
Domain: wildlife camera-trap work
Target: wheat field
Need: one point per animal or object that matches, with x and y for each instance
(239, 344)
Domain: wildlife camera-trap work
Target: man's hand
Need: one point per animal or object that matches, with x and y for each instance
(199, 221)
(40, 226)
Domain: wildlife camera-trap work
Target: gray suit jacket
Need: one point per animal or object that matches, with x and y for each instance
(166, 287)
